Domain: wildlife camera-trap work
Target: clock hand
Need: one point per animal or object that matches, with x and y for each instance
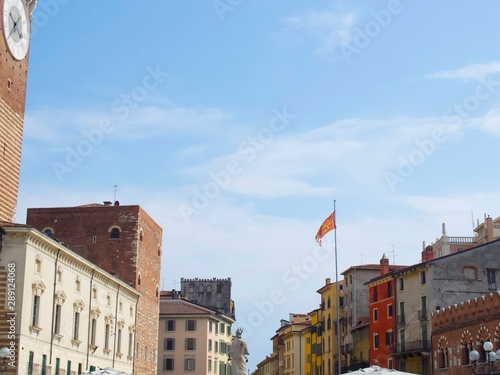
(20, 33)
(16, 24)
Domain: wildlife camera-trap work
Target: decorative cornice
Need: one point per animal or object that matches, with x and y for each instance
(46, 245)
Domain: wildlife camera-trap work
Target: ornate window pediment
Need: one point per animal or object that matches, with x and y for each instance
(109, 319)
(60, 297)
(95, 312)
(38, 288)
(78, 305)
(121, 324)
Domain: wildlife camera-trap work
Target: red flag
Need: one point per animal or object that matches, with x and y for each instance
(326, 227)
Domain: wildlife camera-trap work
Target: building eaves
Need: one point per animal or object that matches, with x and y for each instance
(181, 306)
(362, 267)
(6, 224)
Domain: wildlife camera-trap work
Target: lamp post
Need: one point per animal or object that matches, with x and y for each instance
(4, 353)
(490, 367)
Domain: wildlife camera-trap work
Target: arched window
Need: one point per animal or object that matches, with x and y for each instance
(465, 353)
(114, 233)
(49, 232)
(443, 358)
(139, 279)
(141, 235)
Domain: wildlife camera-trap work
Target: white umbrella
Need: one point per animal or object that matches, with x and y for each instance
(107, 370)
(377, 370)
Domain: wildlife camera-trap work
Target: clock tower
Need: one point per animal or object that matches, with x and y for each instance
(14, 46)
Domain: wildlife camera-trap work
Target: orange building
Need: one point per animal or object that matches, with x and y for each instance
(382, 302)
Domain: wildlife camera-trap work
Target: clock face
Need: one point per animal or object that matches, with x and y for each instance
(16, 28)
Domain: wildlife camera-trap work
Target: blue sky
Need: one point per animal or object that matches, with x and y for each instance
(236, 124)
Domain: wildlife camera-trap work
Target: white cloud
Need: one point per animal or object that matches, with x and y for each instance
(357, 151)
(469, 72)
(489, 123)
(331, 28)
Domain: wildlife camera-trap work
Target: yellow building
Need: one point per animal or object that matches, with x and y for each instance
(293, 351)
(314, 350)
(306, 353)
(328, 327)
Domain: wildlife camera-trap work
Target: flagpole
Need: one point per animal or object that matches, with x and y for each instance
(337, 292)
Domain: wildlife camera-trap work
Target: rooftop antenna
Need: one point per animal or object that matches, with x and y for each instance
(116, 189)
(362, 258)
(393, 252)
(472, 220)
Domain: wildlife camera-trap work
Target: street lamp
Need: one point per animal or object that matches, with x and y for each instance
(4, 353)
(490, 367)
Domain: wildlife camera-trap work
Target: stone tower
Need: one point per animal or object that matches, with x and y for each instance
(213, 293)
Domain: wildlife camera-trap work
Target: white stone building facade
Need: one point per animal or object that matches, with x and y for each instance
(64, 315)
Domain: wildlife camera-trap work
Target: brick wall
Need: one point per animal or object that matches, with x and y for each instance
(135, 258)
(462, 327)
(13, 77)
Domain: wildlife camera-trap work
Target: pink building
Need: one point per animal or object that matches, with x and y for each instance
(193, 339)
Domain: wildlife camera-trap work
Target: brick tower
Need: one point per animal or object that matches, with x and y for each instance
(14, 47)
(126, 242)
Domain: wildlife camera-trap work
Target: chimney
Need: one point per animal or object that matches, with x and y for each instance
(384, 265)
(107, 203)
(443, 229)
(427, 254)
(327, 281)
(489, 229)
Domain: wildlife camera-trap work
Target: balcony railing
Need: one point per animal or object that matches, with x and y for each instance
(422, 314)
(401, 319)
(464, 240)
(414, 346)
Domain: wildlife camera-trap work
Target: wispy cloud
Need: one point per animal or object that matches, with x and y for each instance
(332, 28)
(489, 123)
(60, 126)
(355, 151)
(469, 72)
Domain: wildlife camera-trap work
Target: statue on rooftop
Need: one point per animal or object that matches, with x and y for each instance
(237, 354)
